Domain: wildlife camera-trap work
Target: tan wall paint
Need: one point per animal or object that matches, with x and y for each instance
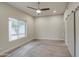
(7, 11)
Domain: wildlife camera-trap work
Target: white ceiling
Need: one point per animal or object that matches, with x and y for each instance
(58, 6)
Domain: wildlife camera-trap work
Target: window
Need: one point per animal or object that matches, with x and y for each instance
(17, 29)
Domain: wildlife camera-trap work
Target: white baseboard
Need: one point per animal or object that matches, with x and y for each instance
(50, 38)
(3, 53)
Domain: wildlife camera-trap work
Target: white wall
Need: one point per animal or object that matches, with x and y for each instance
(71, 6)
(50, 27)
(77, 33)
(7, 11)
(70, 33)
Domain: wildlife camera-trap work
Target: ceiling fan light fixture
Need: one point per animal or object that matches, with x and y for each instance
(54, 11)
(38, 11)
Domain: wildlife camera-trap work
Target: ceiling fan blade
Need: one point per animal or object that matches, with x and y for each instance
(45, 9)
(32, 8)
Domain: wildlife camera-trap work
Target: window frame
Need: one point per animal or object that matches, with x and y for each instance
(25, 29)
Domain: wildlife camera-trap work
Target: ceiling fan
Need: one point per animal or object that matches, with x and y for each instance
(38, 10)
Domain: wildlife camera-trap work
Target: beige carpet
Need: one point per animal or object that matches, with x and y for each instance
(42, 48)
